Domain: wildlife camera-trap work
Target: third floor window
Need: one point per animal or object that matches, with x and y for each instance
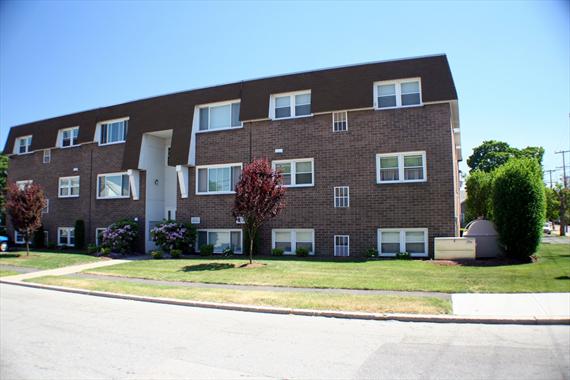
(398, 93)
(112, 132)
(293, 104)
(219, 116)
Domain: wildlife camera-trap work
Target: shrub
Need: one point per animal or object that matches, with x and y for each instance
(175, 253)
(479, 187)
(79, 234)
(277, 252)
(228, 251)
(157, 255)
(120, 236)
(92, 249)
(371, 252)
(38, 240)
(52, 245)
(170, 235)
(105, 251)
(519, 206)
(302, 252)
(403, 256)
(207, 250)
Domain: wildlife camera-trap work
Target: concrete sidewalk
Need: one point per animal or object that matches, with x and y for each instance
(62, 271)
(535, 305)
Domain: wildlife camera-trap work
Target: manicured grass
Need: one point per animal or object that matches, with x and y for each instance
(4, 273)
(550, 274)
(301, 300)
(45, 259)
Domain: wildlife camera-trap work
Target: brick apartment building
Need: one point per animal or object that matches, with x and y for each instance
(369, 153)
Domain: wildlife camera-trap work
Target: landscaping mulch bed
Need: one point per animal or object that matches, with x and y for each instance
(491, 262)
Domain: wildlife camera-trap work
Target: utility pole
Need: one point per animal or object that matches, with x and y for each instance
(564, 178)
(550, 174)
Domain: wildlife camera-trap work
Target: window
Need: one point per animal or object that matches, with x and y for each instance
(399, 93)
(341, 197)
(45, 210)
(340, 121)
(69, 187)
(113, 185)
(99, 236)
(401, 167)
(66, 236)
(23, 145)
(341, 245)
(114, 131)
(296, 173)
(217, 179)
(22, 184)
(68, 137)
(290, 240)
(293, 104)
(392, 241)
(47, 156)
(19, 238)
(221, 240)
(219, 116)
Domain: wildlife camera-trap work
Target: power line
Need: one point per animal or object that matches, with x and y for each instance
(564, 178)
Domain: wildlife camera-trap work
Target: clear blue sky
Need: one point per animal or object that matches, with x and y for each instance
(510, 60)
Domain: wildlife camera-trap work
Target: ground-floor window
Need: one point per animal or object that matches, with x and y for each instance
(221, 240)
(66, 236)
(19, 238)
(291, 239)
(99, 235)
(341, 245)
(392, 241)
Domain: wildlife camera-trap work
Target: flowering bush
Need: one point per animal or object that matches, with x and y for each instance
(170, 235)
(120, 236)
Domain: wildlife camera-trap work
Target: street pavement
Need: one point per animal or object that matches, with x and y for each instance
(53, 335)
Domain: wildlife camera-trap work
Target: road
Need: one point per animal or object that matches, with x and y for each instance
(52, 335)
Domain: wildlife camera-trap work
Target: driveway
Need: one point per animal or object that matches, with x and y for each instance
(47, 335)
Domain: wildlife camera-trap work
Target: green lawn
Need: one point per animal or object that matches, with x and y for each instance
(550, 274)
(4, 273)
(45, 259)
(301, 300)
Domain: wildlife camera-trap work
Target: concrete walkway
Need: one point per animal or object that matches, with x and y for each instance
(512, 305)
(18, 269)
(62, 271)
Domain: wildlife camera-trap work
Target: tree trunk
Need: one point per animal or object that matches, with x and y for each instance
(251, 237)
(562, 220)
(27, 245)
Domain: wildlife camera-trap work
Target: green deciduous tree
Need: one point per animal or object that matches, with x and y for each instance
(479, 188)
(492, 154)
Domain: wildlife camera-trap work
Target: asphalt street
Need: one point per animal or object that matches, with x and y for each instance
(53, 335)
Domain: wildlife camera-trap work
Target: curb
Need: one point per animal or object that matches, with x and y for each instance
(310, 312)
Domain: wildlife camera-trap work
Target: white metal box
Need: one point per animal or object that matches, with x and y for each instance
(455, 248)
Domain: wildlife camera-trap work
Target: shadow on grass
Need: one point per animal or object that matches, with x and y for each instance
(9, 255)
(562, 278)
(209, 266)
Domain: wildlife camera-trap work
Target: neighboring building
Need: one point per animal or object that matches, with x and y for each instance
(369, 153)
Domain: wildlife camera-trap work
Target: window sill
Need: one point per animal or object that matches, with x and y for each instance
(394, 255)
(397, 107)
(296, 186)
(121, 197)
(68, 196)
(219, 129)
(70, 146)
(402, 182)
(113, 143)
(290, 117)
(217, 193)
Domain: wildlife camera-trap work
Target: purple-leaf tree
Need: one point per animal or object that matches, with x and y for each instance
(259, 197)
(25, 209)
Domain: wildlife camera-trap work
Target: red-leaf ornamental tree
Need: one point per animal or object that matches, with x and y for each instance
(25, 208)
(259, 197)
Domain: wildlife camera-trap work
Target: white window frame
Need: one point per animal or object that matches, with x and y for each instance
(219, 230)
(98, 131)
(217, 166)
(293, 233)
(23, 183)
(402, 232)
(47, 156)
(398, 87)
(341, 197)
(28, 139)
(217, 104)
(401, 156)
(334, 121)
(60, 137)
(293, 163)
(45, 210)
(19, 238)
(114, 174)
(68, 244)
(97, 242)
(292, 104)
(339, 246)
(69, 186)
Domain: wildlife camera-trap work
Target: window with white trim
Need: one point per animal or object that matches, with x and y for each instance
(296, 173)
(221, 239)
(341, 197)
(113, 131)
(68, 137)
(19, 238)
(397, 93)
(23, 145)
(45, 210)
(219, 116)
(392, 241)
(113, 185)
(401, 167)
(217, 179)
(47, 156)
(290, 105)
(291, 239)
(22, 184)
(341, 245)
(66, 236)
(99, 236)
(340, 121)
(68, 187)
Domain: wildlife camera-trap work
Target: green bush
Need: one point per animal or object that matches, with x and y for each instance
(120, 236)
(79, 234)
(519, 206)
(277, 252)
(175, 253)
(228, 252)
(105, 251)
(52, 245)
(403, 256)
(302, 252)
(371, 252)
(92, 249)
(157, 255)
(479, 201)
(207, 250)
(38, 239)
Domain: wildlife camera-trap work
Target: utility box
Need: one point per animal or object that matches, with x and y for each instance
(455, 248)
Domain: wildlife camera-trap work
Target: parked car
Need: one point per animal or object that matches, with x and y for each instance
(547, 228)
(4, 244)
